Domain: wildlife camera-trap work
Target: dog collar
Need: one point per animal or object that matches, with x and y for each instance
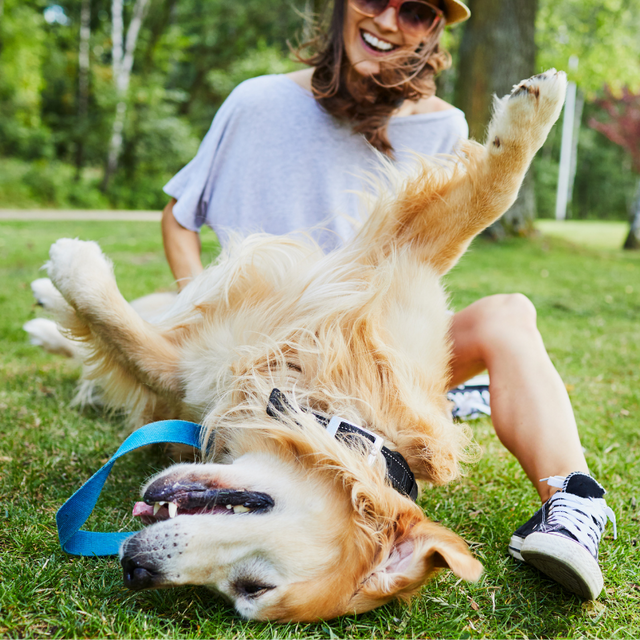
(398, 471)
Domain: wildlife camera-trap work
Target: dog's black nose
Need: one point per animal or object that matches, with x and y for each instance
(135, 575)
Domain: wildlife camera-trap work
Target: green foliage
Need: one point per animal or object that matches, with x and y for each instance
(183, 70)
(603, 34)
(46, 183)
(220, 34)
(158, 143)
(21, 80)
(605, 182)
(588, 304)
(261, 61)
(189, 57)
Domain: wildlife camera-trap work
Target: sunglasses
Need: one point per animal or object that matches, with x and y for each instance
(414, 17)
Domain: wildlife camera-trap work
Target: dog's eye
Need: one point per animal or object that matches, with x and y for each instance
(249, 589)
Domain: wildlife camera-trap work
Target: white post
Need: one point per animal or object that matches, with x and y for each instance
(564, 174)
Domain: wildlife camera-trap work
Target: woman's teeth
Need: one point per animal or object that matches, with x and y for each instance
(375, 43)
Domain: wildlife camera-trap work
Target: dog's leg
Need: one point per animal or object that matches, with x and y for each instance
(44, 332)
(104, 320)
(439, 215)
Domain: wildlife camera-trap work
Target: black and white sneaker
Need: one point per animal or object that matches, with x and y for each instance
(471, 399)
(562, 538)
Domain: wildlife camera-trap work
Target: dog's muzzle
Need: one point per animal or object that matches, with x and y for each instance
(138, 571)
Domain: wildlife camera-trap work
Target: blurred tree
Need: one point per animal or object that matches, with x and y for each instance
(218, 34)
(1, 16)
(603, 34)
(122, 56)
(83, 82)
(623, 128)
(21, 79)
(605, 181)
(497, 50)
(191, 53)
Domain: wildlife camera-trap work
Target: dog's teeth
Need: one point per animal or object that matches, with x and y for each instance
(173, 509)
(240, 509)
(156, 507)
(229, 506)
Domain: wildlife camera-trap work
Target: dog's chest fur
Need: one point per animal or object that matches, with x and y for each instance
(365, 342)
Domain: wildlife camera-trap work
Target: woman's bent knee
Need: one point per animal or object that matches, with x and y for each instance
(512, 306)
(502, 317)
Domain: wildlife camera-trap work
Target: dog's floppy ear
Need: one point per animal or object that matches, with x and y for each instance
(414, 556)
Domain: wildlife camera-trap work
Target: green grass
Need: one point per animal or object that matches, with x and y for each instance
(589, 309)
(589, 233)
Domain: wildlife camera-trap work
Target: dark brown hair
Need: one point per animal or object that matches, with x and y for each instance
(367, 102)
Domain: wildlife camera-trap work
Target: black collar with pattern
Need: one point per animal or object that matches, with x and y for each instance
(398, 471)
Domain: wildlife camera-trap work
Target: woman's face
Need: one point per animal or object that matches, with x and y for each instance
(368, 41)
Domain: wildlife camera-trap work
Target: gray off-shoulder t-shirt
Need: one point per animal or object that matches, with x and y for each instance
(274, 161)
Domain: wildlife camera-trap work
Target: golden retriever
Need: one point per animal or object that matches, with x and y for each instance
(281, 517)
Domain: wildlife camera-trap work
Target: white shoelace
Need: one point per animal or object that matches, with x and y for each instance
(585, 518)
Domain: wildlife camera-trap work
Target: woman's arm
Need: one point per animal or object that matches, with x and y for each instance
(182, 248)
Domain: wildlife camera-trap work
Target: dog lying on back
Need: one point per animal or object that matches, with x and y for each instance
(282, 517)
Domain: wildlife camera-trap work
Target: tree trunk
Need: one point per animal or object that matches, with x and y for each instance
(633, 239)
(83, 82)
(122, 65)
(497, 51)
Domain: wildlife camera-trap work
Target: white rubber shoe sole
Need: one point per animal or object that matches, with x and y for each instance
(565, 561)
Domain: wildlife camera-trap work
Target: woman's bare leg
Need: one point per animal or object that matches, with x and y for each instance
(530, 407)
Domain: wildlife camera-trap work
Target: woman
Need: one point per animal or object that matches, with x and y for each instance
(282, 154)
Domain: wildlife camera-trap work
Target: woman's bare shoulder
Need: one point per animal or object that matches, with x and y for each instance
(302, 78)
(426, 105)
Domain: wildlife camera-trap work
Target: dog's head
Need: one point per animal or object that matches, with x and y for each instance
(289, 534)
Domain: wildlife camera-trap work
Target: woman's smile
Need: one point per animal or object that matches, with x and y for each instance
(376, 44)
(369, 39)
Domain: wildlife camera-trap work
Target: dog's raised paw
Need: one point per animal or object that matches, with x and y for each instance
(525, 116)
(551, 84)
(75, 266)
(540, 97)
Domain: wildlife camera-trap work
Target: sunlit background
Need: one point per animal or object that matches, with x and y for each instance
(89, 122)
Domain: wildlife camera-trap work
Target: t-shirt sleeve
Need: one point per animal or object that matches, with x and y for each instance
(193, 185)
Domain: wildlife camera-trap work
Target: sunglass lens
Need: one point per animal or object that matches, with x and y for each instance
(416, 17)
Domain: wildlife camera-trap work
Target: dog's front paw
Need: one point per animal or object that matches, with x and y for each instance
(76, 267)
(47, 296)
(526, 116)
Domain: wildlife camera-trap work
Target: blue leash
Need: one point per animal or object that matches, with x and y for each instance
(77, 509)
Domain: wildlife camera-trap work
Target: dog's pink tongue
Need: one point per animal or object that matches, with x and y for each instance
(142, 509)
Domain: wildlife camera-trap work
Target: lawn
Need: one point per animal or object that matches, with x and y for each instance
(588, 301)
(597, 234)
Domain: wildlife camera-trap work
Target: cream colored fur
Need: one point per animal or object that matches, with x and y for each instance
(361, 333)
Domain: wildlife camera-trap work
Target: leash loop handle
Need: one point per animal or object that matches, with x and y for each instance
(77, 509)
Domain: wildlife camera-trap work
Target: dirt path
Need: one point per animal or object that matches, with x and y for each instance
(78, 214)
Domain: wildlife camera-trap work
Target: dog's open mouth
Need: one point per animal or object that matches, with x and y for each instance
(164, 503)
